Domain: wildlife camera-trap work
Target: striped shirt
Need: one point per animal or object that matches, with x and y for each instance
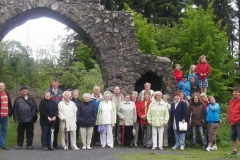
(4, 104)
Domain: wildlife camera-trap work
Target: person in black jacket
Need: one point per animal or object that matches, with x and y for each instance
(5, 112)
(24, 112)
(86, 116)
(48, 114)
(78, 103)
(179, 113)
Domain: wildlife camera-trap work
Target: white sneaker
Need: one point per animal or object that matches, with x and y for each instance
(208, 148)
(111, 147)
(153, 148)
(76, 148)
(174, 147)
(103, 146)
(182, 148)
(214, 148)
(84, 147)
(135, 144)
(89, 148)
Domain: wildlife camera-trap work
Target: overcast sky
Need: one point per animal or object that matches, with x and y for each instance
(38, 33)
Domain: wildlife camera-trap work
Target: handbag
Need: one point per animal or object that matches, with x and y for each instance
(182, 126)
(100, 129)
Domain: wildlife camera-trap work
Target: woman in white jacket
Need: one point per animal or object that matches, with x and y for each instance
(68, 116)
(106, 117)
(158, 117)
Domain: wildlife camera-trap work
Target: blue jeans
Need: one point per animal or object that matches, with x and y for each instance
(200, 129)
(46, 135)
(179, 139)
(3, 134)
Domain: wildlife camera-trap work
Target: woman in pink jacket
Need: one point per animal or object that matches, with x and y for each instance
(203, 70)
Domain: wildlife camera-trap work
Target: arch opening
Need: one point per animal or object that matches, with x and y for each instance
(156, 82)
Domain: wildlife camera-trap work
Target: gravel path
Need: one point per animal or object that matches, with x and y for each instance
(97, 153)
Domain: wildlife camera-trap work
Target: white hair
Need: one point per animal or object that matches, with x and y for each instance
(75, 90)
(67, 93)
(96, 86)
(86, 95)
(107, 92)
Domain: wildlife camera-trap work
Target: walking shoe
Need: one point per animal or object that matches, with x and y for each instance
(5, 148)
(161, 148)
(51, 149)
(75, 148)
(111, 147)
(153, 148)
(45, 149)
(174, 147)
(19, 147)
(89, 148)
(182, 148)
(135, 144)
(143, 146)
(233, 153)
(30, 147)
(103, 146)
(84, 147)
(193, 145)
(208, 148)
(214, 148)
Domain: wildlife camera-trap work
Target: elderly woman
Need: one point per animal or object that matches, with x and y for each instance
(106, 117)
(86, 116)
(48, 114)
(134, 98)
(157, 117)
(142, 113)
(127, 114)
(68, 116)
(179, 113)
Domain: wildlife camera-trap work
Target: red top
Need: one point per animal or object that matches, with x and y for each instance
(234, 111)
(4, 104)
(142, 110)
(203, 68)
(178, 75)
(137, 103)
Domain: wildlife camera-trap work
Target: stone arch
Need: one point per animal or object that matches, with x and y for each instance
(111, 34)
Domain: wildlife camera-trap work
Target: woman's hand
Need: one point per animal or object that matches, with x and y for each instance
(64, 119)
(50, 119)
(54, 118)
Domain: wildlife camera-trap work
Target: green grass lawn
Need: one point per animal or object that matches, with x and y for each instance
(188, 153)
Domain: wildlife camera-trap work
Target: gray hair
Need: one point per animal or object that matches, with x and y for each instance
(67, 93)
(75, 90)
(96, 86)
(86, 95)
(107, 92)
(165, 95)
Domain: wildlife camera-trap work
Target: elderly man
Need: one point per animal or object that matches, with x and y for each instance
(147, 87)
(117, 97)
(95, 99)
(56, 95)
(5, 112)
(24, 111)
(68, 115)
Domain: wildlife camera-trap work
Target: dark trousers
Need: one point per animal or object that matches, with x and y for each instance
(77, 134)
(22, 127)
(46, 135)
(128, 135)
(56, 130)
(96, 135)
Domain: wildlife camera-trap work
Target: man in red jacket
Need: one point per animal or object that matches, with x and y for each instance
(234, 119)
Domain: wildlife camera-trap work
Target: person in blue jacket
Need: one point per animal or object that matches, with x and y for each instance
(184, 86)
(95, 99)
(213, 121)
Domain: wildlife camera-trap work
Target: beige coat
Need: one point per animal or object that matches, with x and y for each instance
(117, 100)
(127, 110)
(158, 114)
(67, 110)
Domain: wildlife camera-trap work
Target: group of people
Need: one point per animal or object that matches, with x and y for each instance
(197, 80)
(113, 118)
